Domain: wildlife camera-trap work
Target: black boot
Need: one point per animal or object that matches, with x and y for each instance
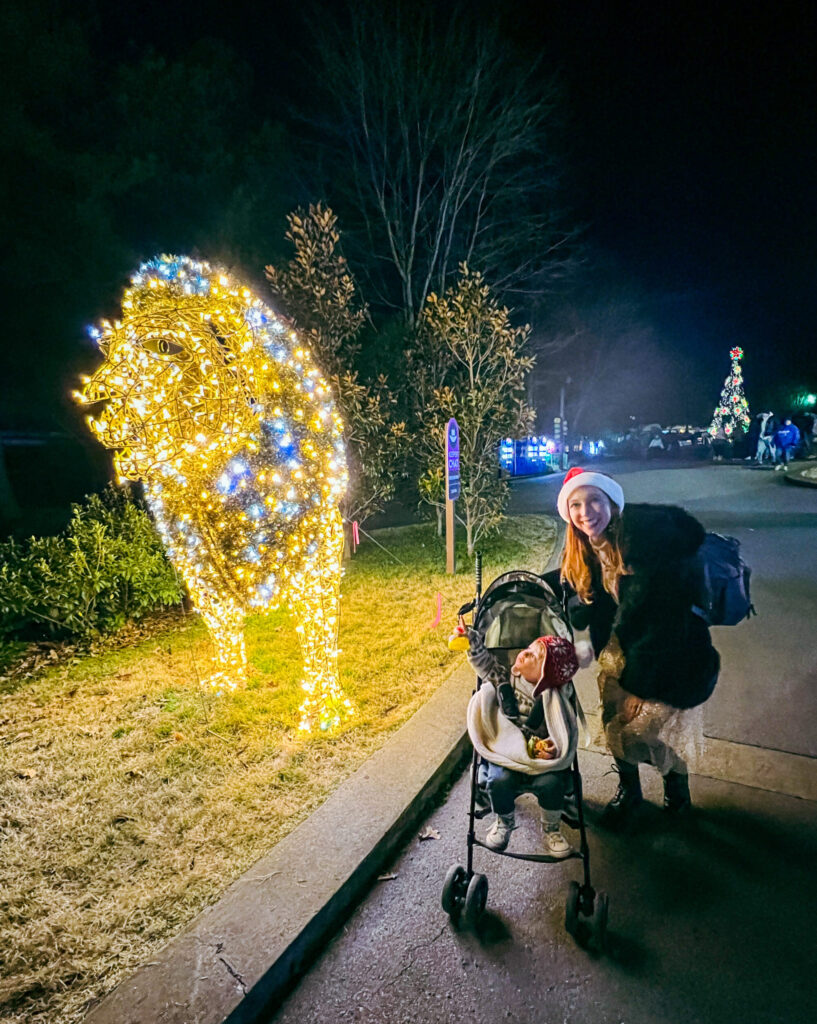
(676, 793)
(628, 796)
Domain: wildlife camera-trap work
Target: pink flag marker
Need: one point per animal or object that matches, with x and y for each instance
(356, 534)
(439, 614)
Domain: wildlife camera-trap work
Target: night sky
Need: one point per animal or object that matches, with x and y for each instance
(695, 140)
(690, 143)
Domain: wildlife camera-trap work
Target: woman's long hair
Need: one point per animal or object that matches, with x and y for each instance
(579, 557)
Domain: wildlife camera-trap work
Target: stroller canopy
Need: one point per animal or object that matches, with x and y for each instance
(517, 608)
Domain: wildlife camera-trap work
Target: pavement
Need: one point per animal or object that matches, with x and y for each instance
(710, 921)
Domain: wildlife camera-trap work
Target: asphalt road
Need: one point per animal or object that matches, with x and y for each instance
(767, 692)
(710, 922)
(711, 919)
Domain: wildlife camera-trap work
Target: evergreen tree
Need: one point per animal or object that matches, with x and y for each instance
(316, 289)
(470, 362)
(732, 412)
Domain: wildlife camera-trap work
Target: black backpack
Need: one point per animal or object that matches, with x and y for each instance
(725, 600)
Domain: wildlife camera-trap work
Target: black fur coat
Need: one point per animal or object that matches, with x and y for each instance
(667, 647)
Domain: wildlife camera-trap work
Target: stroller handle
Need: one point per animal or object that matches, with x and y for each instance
(470, 605)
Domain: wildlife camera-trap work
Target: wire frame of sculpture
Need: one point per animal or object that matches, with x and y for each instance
(212, 401)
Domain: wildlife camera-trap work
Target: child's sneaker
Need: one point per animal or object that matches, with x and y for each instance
(555, 843)
(499, 834)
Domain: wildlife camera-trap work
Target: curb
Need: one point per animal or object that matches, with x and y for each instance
(238, 959)
(555, 560)
(799, 480)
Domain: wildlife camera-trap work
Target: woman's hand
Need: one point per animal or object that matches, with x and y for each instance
(630, 707)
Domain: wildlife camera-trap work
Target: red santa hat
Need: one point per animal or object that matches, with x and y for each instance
(578, 477)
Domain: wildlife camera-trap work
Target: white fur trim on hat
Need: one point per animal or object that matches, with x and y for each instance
(586, 478)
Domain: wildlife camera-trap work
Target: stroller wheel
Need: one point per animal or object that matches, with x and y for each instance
(454, 890)
(598, 922)
(572, 908)
(475, 899)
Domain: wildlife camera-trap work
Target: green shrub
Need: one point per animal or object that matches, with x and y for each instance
(107, 567)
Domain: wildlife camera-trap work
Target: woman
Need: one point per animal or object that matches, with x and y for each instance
(635, 573)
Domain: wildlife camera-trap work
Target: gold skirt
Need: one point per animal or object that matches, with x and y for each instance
(645, 731)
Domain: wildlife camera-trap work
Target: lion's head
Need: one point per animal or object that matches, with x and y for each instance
(194, 370)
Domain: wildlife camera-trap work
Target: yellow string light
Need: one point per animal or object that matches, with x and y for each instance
(214, 403)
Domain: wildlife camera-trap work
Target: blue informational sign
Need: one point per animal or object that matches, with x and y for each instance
(452, 460)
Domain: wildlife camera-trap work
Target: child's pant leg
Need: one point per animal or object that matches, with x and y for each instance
(503, 788)
(549, 789)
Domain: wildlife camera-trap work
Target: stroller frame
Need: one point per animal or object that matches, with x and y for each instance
(465, 891)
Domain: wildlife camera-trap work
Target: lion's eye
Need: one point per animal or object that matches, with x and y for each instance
(162, 346)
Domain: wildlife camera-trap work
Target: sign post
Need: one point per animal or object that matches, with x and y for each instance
(452, 488)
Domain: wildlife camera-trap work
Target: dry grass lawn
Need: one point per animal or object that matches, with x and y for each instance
(130, 797)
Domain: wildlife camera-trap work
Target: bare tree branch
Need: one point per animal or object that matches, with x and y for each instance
(440, 150)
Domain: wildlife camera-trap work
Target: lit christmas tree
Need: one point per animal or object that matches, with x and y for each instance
(732, 413)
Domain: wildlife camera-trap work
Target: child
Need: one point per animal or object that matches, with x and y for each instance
(524, 728)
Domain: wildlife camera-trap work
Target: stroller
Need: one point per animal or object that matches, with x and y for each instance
(515, 609)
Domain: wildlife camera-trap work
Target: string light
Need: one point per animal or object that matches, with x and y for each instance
(213, 402)
(732, 412)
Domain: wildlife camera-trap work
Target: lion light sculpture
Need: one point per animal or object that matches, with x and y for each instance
(214, 404)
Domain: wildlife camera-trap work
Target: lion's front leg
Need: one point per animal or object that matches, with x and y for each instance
(225, 623)
(314, 594)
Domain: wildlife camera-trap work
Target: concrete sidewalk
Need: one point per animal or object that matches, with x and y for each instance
(238, 960)
(802, 473)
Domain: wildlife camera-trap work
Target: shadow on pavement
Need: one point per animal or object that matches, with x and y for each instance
(711, 920)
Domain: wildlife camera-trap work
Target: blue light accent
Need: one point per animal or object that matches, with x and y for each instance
(255, 318)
